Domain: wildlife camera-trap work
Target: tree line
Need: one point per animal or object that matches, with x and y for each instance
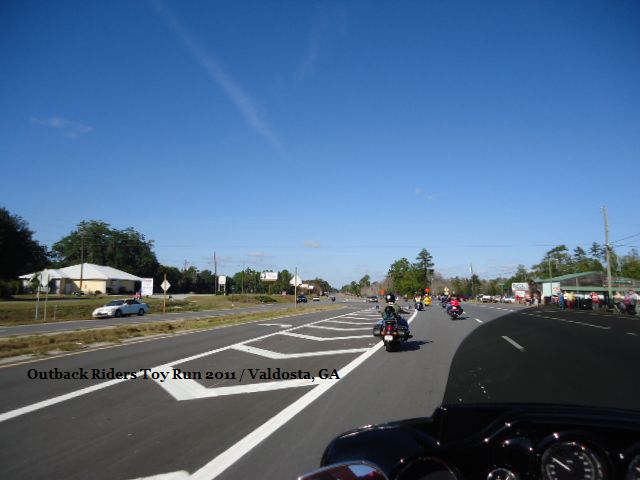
(411, 278)
(97, 242)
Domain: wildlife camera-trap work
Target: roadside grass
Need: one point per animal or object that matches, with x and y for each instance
(78, 340)
(60, 309)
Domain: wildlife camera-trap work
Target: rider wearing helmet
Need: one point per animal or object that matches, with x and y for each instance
(393, 310)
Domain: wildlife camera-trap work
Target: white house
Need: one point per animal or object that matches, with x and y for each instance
(95, 278)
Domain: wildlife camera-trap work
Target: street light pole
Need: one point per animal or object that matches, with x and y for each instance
(608, 253)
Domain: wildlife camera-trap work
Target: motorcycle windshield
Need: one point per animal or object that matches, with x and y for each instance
(549, 357)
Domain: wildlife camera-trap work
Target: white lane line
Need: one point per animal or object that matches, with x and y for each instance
(323, 339)
(632, 333)
(582, 323)
(83, 391)
(514, 343)
(349, 323)
(182, 390)
(234, 453)
(177, 475)
(61, 398)
(283, 325)
(281, 356)
(340, 329)
(478, 320)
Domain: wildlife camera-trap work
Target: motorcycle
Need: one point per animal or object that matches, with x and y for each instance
(391, 331)
(393, 335)
(419, 306)
(455, 312)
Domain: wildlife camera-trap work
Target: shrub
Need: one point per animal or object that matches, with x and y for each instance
(265, 299)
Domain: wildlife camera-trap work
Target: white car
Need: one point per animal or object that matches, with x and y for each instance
(119, 308)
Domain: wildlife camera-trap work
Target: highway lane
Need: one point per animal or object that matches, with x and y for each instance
(141, 428)
(548, 355)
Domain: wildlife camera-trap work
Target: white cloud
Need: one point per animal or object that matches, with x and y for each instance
(70, 128)
(311, 244)
(418, 191)
(236, 94)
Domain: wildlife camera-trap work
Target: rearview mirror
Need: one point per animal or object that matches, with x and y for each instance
(346, 471)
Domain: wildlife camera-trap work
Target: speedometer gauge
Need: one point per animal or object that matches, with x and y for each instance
(571, 461)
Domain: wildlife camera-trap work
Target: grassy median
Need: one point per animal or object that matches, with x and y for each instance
(77, 340)
(22, 310)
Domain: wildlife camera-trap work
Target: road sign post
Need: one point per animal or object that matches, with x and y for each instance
(165, 286)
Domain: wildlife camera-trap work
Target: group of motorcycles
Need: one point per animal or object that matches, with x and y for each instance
(393, 330)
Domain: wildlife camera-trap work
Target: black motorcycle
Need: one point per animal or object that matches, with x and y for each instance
(392, 330)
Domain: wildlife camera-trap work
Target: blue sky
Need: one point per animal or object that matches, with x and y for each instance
(336, 137)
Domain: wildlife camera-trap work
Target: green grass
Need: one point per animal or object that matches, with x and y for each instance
(77, 340)
(61, 309)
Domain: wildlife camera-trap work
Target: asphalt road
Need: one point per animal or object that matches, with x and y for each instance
(234, 426)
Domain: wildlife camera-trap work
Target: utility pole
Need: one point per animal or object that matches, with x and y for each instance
(608, 253)
(215, 274)
(81, 256)
(295, 288)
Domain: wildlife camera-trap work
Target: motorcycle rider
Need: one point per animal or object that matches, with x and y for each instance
(455, 302)
(392, 311)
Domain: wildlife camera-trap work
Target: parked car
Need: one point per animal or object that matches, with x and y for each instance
(509, 300)
(486, 299)
(372, 299)
(301, 299)
(120, 308)
(316, 299)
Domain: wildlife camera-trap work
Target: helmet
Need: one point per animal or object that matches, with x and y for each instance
(390, 298)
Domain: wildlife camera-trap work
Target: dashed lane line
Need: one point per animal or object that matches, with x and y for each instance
(513, 343)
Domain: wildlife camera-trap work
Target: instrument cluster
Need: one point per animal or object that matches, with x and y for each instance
(544, 447)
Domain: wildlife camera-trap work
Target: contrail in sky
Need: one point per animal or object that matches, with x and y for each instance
(239, 97)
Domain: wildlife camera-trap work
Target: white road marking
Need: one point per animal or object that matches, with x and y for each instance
(281, 356)
(478, 320)
(339, 329)
(61, 398)
(514, 343)
(632, 333)
(182, 390)
(283, 325)
(234, 453)
(323, 339)
(179, 475)
(582, 323)
(350, 323)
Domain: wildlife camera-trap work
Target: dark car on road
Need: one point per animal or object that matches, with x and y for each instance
(301, 299)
